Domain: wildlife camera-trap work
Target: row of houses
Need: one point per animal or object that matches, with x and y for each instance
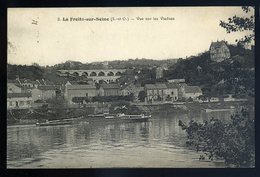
(154, 92)
(171, 91)
(23, 94)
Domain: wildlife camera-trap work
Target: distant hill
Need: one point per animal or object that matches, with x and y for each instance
(23, 71)
(117, 64)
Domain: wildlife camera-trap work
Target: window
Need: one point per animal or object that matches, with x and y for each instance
(21, 103)
(86, 94)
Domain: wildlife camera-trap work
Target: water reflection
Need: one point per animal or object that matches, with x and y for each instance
(157, 143)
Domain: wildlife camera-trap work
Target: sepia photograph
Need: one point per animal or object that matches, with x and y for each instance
(131, 87)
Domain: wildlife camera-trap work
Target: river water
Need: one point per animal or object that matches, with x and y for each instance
(157, 143)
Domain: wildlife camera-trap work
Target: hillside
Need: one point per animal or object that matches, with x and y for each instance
(235, 75)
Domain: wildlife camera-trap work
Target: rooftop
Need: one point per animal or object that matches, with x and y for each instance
(18, 95)
(192, 89)
(218, 44)
(80, 87)
(110, 86)
(172, 85)
(78, 82)
(155, 86)
(13, 81)
(48, 87)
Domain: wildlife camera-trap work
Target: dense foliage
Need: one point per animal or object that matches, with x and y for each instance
(118, 64)
(234, 142)
(235, 75)
(245, 23)
(32, 72)
(141, 96)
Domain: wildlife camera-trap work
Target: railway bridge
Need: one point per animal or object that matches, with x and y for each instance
(107, 75)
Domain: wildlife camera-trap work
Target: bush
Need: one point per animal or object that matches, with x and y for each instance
(234, 142)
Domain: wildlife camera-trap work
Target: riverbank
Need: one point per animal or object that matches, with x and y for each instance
(31, 116)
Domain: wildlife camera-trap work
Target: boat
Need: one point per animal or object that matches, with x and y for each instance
(133, 117)
(52, 123)
(102, 115)
(219, 110)
(118, 117)
(59, 122)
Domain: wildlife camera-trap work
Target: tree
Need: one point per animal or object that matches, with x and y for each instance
(236, 23)
(141, 96)
(57, 102)
(234, 142)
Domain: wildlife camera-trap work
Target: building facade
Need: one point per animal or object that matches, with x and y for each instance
(13, 86)
(19, 100)
(131, 89)
(176, 80)
(219, 51)
(44, 92)
(192, 92)
(172, 92)
(73, 89)
(109, 90)
(155, 92)
(159, 72)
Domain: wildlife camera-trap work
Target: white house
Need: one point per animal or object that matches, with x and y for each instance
(19, 100)
(192, 92)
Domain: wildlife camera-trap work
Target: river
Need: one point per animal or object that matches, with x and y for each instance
(157, 143)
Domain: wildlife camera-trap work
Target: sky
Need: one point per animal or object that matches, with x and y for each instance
(47, 36)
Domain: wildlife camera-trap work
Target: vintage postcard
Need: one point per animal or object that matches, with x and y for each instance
(131, 87)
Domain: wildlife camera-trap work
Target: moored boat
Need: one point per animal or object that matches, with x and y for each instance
(52, 123)
(133, 117)
(59, 122)
(118, 117)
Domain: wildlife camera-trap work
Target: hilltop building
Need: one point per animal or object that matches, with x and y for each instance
(219, 51)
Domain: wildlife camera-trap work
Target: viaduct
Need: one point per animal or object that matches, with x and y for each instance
(108, 75)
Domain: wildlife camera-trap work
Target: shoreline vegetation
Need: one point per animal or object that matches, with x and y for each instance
(232, 141)
(32, 115)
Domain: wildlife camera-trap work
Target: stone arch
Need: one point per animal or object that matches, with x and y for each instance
(75, 74)
(101, 73)
(93, 73)
(110, 73)
(84, 74)
(102, 81)
(118, 73)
